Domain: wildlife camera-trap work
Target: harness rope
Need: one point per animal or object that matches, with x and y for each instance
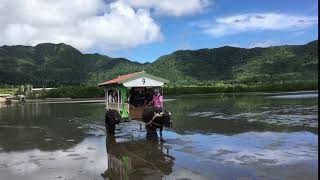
(155, 116)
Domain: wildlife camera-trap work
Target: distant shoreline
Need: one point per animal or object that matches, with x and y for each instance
(251, 93)
(101, 99)
(64, 100)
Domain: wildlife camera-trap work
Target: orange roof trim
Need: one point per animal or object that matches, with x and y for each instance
(120, 78)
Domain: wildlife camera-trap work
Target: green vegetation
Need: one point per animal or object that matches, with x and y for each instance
(51, 65)
(8, 90)
(206, 67)
(75, 92)
(222, 69)
(62, 92)
(95, 92)
(227, 88)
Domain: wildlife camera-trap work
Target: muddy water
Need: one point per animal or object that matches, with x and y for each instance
(261, 136)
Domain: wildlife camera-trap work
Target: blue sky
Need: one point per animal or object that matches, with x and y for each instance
(180, 34)
(143, 30)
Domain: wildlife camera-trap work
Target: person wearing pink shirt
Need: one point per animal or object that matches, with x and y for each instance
(157, 100)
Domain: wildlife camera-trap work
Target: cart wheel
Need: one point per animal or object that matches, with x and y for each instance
(110, 121)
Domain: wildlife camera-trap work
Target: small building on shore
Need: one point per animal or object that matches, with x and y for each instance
(41, 89)
(5, 98)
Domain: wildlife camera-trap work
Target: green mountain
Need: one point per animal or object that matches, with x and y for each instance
(51, 64)
(55, 64)
(231, 64)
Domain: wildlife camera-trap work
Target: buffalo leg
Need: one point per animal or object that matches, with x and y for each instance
(110, 122)
(161, 139)
(151, 134)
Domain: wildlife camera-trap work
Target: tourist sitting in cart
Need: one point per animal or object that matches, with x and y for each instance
(112, 97)
(157, 100)
(136, 98)
(140, 97)
(148, 97)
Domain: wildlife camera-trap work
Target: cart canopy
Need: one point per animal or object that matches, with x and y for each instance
(137, 79)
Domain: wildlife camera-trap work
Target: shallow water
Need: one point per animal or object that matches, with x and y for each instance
(214, 137)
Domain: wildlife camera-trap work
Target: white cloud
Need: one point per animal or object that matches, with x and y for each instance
(232, 45)
(266, 43)
(257, 22)
(83, 24)
(171, 7)
(184, 46)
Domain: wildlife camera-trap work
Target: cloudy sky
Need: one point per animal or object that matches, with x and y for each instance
(143, 30)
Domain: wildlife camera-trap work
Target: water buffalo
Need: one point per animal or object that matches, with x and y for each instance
(155, 120)
(111, 119)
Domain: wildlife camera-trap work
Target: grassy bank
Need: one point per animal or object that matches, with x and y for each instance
(74, 92)
(62, 92)
(229, 88)
(242, 88)
(8, 91)
(91, 92)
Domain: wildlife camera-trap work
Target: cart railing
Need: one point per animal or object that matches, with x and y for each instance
(117, 106)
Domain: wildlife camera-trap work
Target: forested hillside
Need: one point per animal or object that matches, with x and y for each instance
(57, 64)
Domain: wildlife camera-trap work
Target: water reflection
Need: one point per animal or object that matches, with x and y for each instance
(295, 96)
(47, 126)
(83, 161)
(214, 137)
(142, 159)
(4, 104)
(232, 114)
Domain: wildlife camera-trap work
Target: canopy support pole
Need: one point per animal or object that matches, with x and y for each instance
(162, 99)
(106, 97)
(118, 100)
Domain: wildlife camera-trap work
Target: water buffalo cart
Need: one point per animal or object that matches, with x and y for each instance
(136, 97)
